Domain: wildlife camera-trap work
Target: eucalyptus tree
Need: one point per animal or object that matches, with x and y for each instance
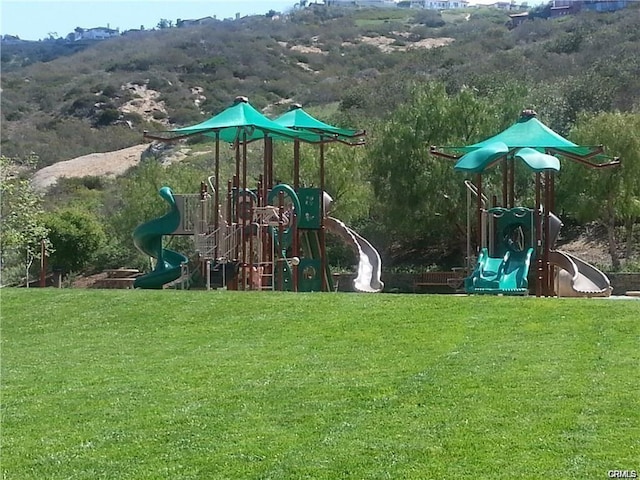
(610, 195)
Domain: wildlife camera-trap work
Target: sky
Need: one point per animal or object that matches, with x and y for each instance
(36, 19)
(39, 19)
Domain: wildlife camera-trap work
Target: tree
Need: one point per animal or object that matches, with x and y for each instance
(164, 23)
(76, 235)
(346, 175)
(609, 195)
(21, 216)
(421, 199)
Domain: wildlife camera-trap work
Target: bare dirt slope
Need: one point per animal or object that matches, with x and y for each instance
(95, 164)
(144, 103)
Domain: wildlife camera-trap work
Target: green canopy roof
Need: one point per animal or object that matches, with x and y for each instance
(239, 122)
(479, 160)
(528, 140)
(297, 119)
(537, 161)
(483, 158)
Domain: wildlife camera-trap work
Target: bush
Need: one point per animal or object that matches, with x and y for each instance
(134, 117)
(110, 91)
(429, 18)
(185, 116)
(107, 117)
(77, 236)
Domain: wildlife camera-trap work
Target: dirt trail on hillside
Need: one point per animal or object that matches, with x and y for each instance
(95, 164)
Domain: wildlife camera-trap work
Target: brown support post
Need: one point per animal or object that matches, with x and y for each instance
(269, 179)
(268, 146)
(493, 221)
(505, 182)
(552, 208)
(245, 221)
(296, 249)
(267, 185)
(552, 199)
(296, 187)
(512, 184)
(479, 211)
(250, 227)
(230, 221)
(547, 240)
(296, 164)
(236, 145)
(280, 234)
(244, 162)
(323, 247)
(230, 217)
(216, 194)
(217, 181)
(538, 247)
(236, 219)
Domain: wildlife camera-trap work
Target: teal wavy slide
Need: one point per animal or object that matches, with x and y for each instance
(505, 275)
(147, 238)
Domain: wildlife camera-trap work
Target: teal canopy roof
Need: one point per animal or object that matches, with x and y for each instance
(528, 140)
(530, 132)
(537, 161)
(477, 161)
(240, 122)
(297, 119)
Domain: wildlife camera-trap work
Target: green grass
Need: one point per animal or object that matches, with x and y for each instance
(207, 385)
(381, 15)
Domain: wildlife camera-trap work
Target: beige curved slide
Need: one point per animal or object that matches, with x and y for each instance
(368, 279)
(577, 278)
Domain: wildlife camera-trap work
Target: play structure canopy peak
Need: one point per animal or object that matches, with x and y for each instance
(298, 119)
(241, 122)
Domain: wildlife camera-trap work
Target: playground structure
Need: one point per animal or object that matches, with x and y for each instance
(260, 237)
(516, 243)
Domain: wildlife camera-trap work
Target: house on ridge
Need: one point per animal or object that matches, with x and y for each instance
(97, 33)
(199, 21)
(439, 4)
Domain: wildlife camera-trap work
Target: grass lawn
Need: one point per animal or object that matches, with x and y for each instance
(128, 384)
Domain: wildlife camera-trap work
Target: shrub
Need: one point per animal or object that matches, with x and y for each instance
(107, 117)
(76, 236)
(110, 91)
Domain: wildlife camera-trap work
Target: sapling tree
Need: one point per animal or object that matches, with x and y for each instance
(23, 235)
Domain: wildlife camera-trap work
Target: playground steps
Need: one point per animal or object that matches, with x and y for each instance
(262, 276)
(266, 280)
(118, 278)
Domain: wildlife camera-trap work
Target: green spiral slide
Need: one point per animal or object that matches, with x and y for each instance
(147, 238)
